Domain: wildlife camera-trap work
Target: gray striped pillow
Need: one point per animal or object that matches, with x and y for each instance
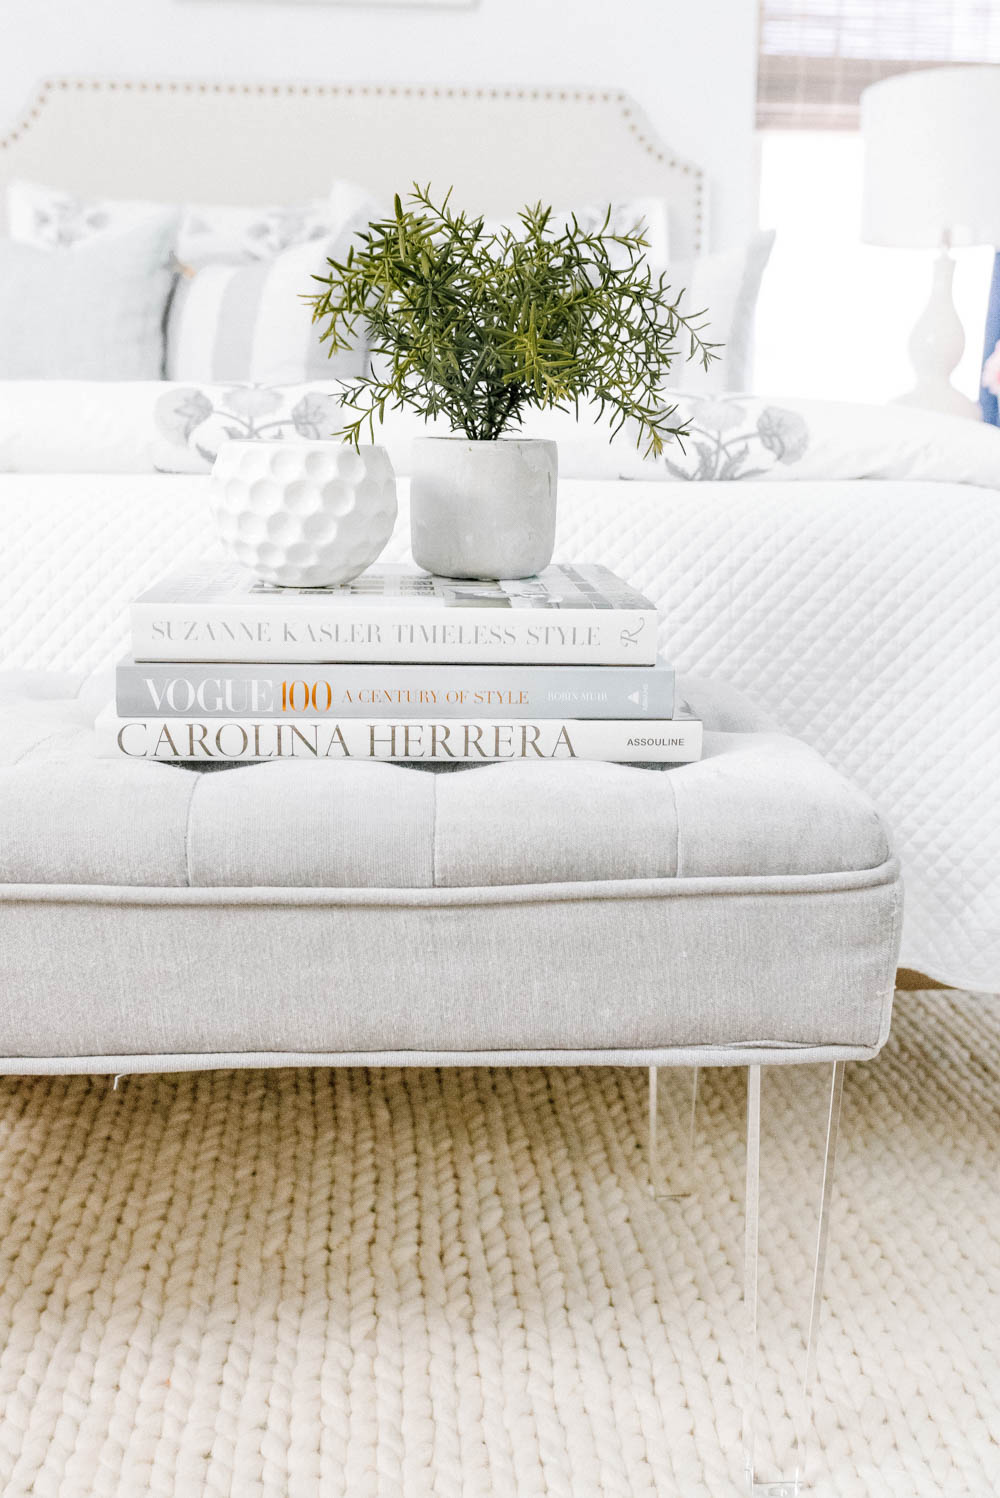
(249, 323)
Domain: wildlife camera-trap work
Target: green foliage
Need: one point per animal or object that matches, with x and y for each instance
(478, 327)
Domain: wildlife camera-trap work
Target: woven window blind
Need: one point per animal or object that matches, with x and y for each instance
(816, 56)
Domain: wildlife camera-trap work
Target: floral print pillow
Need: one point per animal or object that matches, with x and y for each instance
(208, 235)
(629, 216)
(193, 421)
(53, 220)
(730, 437)
(733, 437)
(203, 233)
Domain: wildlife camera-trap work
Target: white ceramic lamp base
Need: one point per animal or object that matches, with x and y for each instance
(936, 345)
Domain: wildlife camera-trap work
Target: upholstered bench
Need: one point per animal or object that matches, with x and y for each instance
(744, 910)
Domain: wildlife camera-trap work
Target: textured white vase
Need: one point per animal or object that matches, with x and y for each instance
(304, 514)
(483, 509)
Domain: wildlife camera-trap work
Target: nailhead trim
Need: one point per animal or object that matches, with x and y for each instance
(276, 90)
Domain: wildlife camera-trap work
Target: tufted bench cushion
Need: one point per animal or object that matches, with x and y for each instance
(745, 908)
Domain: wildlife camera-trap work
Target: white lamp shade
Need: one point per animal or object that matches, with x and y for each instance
(932, 158)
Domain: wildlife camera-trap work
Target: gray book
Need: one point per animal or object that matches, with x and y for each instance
(235, 689)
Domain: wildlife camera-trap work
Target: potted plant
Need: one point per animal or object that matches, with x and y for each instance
(474, 328)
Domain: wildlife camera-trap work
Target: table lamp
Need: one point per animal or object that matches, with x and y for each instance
(932, 180)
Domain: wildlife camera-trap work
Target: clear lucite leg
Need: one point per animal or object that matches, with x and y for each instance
(750, 1260)
(822, 1241)
(790, 1485)
(671, 1165)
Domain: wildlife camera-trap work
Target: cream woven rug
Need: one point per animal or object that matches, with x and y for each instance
(455, 1284)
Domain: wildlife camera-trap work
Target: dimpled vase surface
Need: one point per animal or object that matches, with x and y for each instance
(304, 514)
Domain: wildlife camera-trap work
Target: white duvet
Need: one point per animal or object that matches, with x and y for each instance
(862, 612)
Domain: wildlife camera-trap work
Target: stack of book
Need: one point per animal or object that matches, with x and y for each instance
(397, 666)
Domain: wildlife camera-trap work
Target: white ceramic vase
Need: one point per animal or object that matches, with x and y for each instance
(304, 514)
(483, 509)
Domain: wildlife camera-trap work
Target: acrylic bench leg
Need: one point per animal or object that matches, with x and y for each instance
(791, 1485)
(677, 1182)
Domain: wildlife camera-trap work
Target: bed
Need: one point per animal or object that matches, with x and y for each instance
(849, 589)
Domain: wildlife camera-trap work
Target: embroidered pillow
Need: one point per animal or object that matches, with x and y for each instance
(226, 234)
(53, 220)
(733, 437)
(192, 422)
(627, 215)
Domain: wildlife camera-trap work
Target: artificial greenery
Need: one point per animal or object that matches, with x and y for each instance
(478, 327)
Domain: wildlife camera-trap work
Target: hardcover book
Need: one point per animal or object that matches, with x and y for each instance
(478, 740)
(574, 615)
(233, 690)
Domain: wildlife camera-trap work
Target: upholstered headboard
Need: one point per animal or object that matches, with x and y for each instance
(255, 143)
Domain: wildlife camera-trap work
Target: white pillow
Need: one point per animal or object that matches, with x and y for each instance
(626, 216)
(239, 312)
(650, 212)
(89, 313)
(251, 324)
(726, 285)
(192, 422)
(78, 427)
(54, 220)
(221, 233)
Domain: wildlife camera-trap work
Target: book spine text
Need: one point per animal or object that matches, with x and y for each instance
(351, 691)
(243, 632)
(481, 740)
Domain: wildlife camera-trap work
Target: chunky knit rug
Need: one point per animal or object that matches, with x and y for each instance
(404, 1284)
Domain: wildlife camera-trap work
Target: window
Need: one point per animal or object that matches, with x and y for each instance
(835, 314)
(817, 56)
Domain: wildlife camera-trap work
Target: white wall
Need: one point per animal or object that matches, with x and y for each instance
(689, 63)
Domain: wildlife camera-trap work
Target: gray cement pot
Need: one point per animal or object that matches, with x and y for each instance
(483, 509)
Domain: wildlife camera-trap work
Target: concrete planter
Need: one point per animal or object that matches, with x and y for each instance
(483, 509)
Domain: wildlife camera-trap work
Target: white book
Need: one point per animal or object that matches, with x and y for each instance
(452, 740)
(570, 615)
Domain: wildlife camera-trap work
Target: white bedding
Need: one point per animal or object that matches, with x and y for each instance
(863, 615)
